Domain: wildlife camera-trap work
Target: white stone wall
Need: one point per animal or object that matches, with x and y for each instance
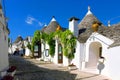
(2, 20)
(112, 63)
(104, 41)
(27, 52)
(55, 59)
(73, 27)
(44, 57)
(3, 49)
(77, 59)
(65, 61)
(112, 56)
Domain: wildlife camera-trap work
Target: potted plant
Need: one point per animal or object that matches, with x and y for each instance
(71, 67)
(12, 70)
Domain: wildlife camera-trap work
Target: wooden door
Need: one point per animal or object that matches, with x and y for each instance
(60, 55)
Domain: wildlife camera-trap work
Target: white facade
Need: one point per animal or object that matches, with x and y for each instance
(3, 45)
(112, 63)
(87, 56)
(45, 52)
(73, 27)
(94, 55)
(19, 45)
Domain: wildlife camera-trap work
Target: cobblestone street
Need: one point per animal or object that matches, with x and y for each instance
(31, 69)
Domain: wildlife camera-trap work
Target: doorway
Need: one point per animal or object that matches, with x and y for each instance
(60, 55)
(95, 52)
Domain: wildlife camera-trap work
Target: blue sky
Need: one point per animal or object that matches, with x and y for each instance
(27, 16)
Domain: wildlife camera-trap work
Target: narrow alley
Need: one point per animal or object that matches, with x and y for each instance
(32, 69)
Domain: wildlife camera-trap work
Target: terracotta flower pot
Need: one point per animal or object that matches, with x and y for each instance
(95, 27)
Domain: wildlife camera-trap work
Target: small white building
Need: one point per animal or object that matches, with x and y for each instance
(52, 26)
(20, 45)
(98, 52)
(4, 64)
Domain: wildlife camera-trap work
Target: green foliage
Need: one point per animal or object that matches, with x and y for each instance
(47, 38)
(68, 42)
(29, 46)
(51, 43)
(44, 36)
(66, 38)
(57, 34)
(36, 39)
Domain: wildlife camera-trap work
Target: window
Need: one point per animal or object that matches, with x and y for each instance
(59, 49)
(47, 52)
(36, 48)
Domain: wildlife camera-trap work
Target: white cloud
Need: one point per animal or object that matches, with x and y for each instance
(40, 24)
(31, 20)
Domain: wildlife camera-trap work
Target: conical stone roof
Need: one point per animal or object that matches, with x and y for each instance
(53, 25)
(85, 25)
(19, 38)
(88, 20)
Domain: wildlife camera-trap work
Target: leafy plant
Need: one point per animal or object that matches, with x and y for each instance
(68, 42)
(51, 43)
(36, 40)
(29, 45)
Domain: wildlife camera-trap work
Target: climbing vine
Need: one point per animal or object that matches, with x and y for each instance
(51, 43)
(68, 42)
(66, 38)
(36, 40)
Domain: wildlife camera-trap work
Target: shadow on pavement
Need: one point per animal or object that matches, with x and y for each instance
(27, 70)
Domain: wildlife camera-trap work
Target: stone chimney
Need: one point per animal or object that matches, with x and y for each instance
(73, 25)
(109, 24)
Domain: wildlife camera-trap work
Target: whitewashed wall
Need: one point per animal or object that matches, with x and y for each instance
(111, 55)
(73, 27)
(3, 49)
(44, 57)
(96, 37)
(55, 59)
(77, 59)
(112, 65)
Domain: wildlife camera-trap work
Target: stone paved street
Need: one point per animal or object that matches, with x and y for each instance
(31, 69)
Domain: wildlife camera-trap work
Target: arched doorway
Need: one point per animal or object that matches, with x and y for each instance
(95, 52)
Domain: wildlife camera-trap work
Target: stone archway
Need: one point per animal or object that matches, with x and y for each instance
(95, 52)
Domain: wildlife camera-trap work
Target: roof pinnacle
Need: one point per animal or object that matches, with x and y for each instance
(89, 12)
(53, 19)
(109, 24)
(88, 8)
